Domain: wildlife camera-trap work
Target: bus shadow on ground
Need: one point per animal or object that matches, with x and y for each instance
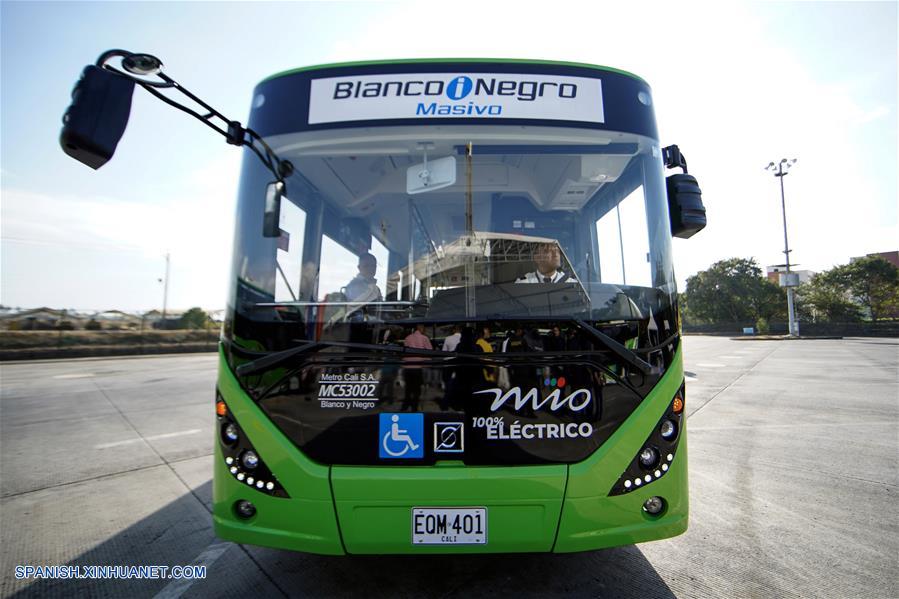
(618, 572)
(181, 532)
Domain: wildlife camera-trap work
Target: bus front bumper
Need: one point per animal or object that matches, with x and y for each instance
(527, 511)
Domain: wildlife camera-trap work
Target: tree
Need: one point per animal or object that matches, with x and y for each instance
(734, 290)
(195, 318)
(686, 314)
(826, 298)
(873, 283)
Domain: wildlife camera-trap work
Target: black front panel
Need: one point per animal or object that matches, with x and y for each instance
(527, 405)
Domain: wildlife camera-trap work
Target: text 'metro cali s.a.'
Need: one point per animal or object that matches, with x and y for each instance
(348, 391)
(455, 95)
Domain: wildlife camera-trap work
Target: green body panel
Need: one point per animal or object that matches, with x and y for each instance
(305, 521)
(374, 505)
(591, 519)
(560, 508)
(595, 476)
(601, 521)
(298, 524)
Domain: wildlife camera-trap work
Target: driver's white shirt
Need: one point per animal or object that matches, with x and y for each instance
(536, 277)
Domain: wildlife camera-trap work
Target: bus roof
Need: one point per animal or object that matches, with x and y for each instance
(454, 60)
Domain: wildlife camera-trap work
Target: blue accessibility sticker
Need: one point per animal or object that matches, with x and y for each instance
(401, 436)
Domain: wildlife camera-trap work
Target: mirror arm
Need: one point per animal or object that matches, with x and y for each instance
(235, 133)
(673, 158)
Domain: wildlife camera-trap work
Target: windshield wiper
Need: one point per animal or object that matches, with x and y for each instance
(272, 359)
(658, 346)
(616, 348)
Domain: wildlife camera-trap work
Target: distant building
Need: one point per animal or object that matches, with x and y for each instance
(44, 318)
(155, 315)
(891, 257)
(41, 319)
(117, 320)
(152, 315)
(154, 320)
(775, 271)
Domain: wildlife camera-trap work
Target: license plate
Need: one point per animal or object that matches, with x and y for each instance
(449, 526)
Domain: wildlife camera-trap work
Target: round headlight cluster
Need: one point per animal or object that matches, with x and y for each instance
(649, 457)
(230, 434)
(668, 430)
(249, 459)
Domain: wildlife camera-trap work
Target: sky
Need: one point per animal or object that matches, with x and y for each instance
(735, 86)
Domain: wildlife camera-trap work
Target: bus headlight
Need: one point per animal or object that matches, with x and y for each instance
(242, 461)
(249, 459)
(655, 458)
(230, 434)
(649, 457)
(668, 430)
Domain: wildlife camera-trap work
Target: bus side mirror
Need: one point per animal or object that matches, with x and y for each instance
(685, 209)
(271, 218)
(96, 119)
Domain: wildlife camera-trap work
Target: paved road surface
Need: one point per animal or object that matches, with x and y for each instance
(793, 470)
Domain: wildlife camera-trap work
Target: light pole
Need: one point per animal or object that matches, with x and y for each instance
(165, 290)
(789, 281)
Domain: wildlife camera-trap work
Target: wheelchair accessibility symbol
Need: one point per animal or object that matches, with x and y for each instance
(401, 435)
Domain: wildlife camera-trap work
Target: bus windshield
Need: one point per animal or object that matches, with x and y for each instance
(532, 223)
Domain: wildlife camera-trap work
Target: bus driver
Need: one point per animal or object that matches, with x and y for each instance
(547, 262)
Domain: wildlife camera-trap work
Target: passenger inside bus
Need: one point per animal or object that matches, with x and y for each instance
(364, 287)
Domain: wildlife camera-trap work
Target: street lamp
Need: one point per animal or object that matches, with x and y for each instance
(165, 289)
(789, 281)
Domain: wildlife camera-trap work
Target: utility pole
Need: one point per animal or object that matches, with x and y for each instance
(789, 281)
(165, 289)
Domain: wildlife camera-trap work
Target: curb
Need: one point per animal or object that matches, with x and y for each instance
(783, 338)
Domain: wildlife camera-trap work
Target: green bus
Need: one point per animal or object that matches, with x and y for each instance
(452, 324)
